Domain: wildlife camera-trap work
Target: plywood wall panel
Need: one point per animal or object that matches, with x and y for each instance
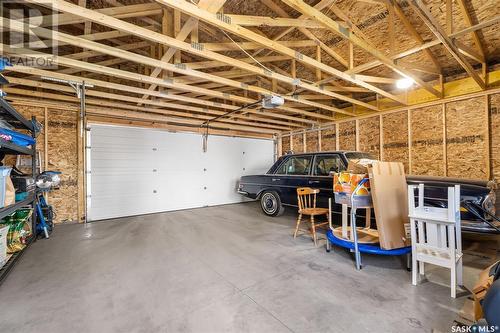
(328, 139)
(62, 152)
(494, 111)
(62, 156)
(369, 135)
(466, 138)
(347, 135)
(427, 154)
(312, 141)
(395, 138)
(285, 144)
(298, 142)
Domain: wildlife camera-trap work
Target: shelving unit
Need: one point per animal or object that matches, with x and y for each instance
(16, 120)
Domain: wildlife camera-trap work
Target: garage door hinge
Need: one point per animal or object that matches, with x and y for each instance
(89, 196)
(88, 172)
(88, 147)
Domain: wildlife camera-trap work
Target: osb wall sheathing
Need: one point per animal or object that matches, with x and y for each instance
(427, 151)
(312, 142)
(298, 142)
(369, 135)
(62, 156)
(328, 139)
(466, 138)
(495, 135)
(395, 138)
(347, 135)
(285, 144)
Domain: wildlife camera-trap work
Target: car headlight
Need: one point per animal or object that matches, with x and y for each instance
(489, 204)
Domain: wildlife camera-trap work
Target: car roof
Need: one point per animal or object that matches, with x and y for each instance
(324, 152)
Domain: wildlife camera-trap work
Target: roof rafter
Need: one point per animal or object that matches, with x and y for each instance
(356, 40)
(419, 7)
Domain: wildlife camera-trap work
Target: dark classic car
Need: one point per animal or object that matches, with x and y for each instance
(277, 188)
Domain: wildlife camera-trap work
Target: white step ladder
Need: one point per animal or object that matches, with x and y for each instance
(436, 236)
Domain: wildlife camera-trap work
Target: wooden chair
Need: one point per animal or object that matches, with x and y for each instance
(306, 198)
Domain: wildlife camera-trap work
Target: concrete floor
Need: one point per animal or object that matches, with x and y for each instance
(218, 269)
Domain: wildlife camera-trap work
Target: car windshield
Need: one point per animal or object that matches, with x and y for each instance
(359, 155)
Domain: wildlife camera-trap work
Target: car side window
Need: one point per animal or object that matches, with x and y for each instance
(295, 165)
(325, 165)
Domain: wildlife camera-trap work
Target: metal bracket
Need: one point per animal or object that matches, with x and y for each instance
(197, 46)
(224, 18)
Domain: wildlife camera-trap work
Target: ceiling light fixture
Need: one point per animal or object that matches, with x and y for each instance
(404, 83)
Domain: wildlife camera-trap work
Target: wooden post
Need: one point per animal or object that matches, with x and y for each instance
(319, 140)
(357, 134)
(487, 140)
(337, 141)
(445, 149)
(410, 166)
(304, 141)
(381, 137)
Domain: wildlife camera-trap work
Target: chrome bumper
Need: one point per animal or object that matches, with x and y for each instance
(479, 227)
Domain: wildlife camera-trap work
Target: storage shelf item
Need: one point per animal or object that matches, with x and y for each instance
(13, 118)
(436, 236)
(10, 148)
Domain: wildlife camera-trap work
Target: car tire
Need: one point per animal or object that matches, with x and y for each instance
(270, 202)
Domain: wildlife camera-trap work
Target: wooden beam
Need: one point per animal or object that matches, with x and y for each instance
(266, 21)
(159, 38)
(468, 19)
(411, 29)
(139, 10)
(165, 116)
(278, 10)
(192, 23)
(238, 46)
(375, 63)
(419, 7)
(304, 8)
(207, 106)
(18, 26)
(192, 10)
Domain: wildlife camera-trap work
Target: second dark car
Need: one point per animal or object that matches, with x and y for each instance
(277, 188)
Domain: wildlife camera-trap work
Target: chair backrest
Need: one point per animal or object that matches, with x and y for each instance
(306, 197)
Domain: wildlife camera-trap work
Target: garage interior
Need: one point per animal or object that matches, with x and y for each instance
(136, 137)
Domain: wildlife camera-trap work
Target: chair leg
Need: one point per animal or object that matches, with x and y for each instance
(297, 227)
(313, 229)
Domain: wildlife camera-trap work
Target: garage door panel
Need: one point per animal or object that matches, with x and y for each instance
(138, 171)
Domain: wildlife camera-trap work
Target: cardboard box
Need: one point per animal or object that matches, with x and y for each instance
(346, 182)
(359, 166)
(390, 202)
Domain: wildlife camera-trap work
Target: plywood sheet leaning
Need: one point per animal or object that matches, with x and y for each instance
(298, 142)
(312, 141)
(63, 157)
(494, 111)
(285, 144)
(369, 135)
(328, 139)
(466, 139)
(395, 137)
(390, 202)
(427, 154)
(347, 135)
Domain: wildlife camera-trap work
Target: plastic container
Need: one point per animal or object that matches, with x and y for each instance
(4, 173)
(18, 138)
(21, 196)
(3, 244)
(359, 201)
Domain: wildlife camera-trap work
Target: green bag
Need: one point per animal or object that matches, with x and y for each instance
(19, 229)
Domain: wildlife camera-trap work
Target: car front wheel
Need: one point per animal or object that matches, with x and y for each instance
(270, 203)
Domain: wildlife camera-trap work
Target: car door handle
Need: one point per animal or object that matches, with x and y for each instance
(275, 179)
(314, 182)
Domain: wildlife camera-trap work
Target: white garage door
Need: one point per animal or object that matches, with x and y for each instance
(137, 171)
